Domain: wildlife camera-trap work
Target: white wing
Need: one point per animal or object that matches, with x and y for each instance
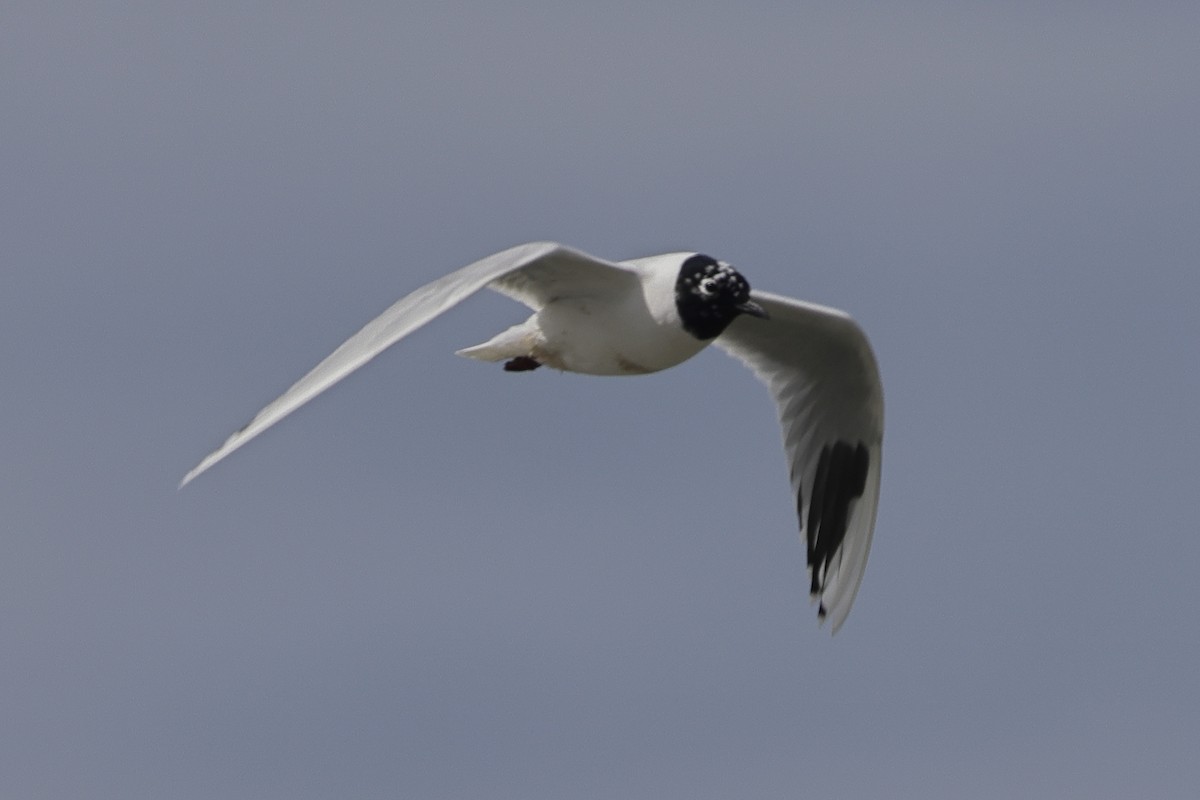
(820, 369)
(532, 273)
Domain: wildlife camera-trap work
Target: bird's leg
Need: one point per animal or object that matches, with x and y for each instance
(521, 364)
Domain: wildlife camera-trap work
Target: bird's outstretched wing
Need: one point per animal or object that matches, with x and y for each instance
(532, 273)
(820, 369)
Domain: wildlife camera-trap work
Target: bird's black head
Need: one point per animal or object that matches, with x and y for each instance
(710, 295)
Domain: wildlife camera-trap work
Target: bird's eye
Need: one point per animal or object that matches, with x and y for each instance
(708, 286)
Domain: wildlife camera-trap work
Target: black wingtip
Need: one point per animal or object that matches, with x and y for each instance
(841, 477)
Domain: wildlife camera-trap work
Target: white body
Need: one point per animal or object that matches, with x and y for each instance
(604, 333)
(604, 318)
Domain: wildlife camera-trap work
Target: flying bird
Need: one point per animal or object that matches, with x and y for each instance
(600, 317)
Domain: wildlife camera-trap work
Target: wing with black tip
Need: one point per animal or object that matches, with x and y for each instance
(821, 371)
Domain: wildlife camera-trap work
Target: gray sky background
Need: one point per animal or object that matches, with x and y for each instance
(443, 581)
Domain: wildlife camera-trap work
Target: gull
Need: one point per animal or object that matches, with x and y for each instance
(600, 317)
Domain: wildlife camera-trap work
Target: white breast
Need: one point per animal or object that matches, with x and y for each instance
(606, 337)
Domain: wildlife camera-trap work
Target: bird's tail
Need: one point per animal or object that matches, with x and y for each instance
(518, 340)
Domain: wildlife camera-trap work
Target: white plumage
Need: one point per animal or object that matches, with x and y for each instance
(604, 318)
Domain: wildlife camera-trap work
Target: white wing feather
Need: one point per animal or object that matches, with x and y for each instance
(820, 370)
(532, 273)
